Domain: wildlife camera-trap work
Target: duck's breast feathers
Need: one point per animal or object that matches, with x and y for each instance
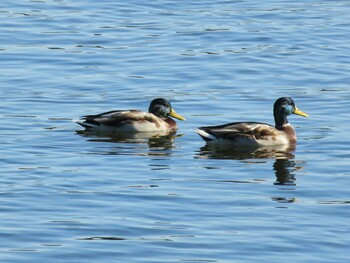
(125, 120)
(243, 133)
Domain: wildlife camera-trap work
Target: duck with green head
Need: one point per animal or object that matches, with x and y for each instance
(158, 118)
(257, 134)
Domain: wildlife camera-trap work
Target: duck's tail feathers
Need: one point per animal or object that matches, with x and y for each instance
(85, 124)
(205, 136)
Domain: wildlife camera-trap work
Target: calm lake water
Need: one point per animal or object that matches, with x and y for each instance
(72, 197)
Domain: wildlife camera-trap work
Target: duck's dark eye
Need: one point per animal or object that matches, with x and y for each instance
(287, 109)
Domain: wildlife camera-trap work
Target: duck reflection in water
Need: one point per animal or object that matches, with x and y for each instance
(216, 151)
(284, 165)
(284, 171)
(156, 140)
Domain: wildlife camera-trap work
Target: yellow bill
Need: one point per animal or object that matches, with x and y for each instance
(299, 112)
(175, 115)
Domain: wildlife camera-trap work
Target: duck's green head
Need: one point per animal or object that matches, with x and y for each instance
(284, 107)
(162, 108)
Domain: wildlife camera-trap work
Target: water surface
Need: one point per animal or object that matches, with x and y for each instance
(66, 196)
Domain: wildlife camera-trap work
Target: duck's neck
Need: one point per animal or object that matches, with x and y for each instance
(288, 130)
(280, 121)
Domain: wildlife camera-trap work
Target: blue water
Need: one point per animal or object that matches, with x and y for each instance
(72, 197)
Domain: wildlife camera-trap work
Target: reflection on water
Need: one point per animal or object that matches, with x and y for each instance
(211, 151)
(284, 200)
(284, 165)
(284, 169)
(154, 140)
(285, 176)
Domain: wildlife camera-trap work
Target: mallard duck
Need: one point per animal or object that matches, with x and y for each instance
(257, 134)
(156, 119)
